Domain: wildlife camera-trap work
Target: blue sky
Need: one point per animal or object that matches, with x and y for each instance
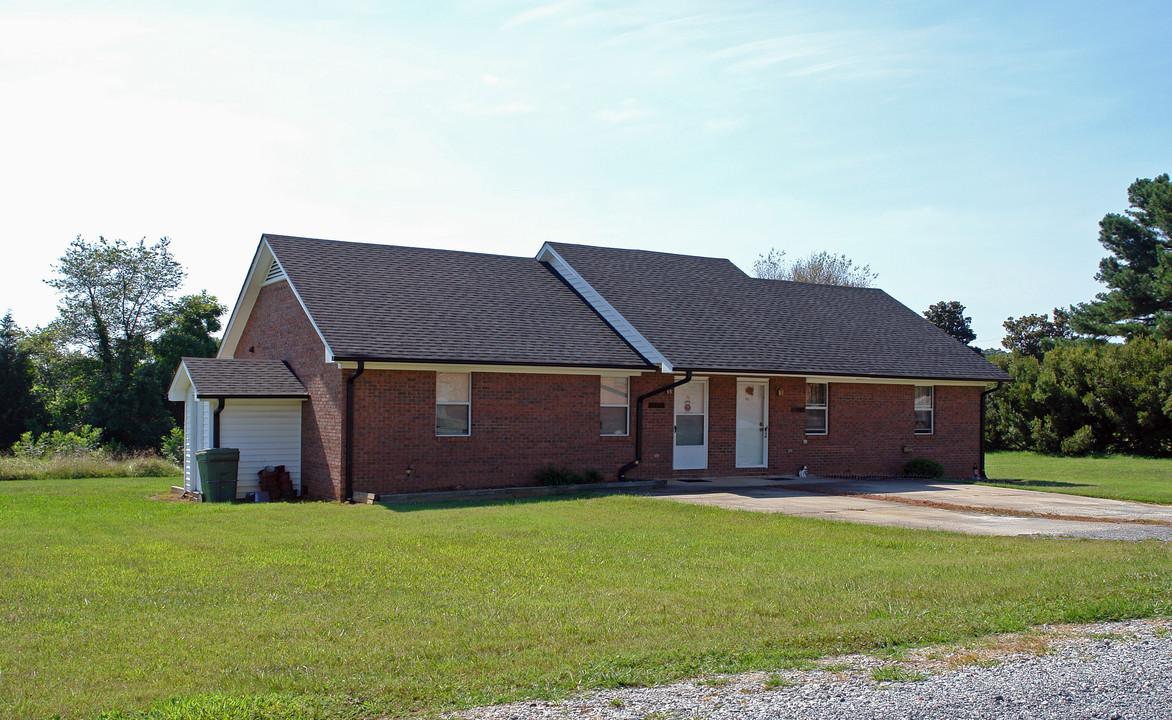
(965, 151)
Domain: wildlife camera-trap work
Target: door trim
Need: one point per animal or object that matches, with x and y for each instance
(675, 455)
(764, 385)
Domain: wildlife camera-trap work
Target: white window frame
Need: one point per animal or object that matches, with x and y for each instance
(824, 407)
(931, 410)
(447, 403)
(626, 406)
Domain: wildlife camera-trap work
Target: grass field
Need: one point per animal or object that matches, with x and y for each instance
(1118, 476)
(114, 602)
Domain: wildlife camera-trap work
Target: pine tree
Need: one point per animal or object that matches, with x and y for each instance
(1139, 269)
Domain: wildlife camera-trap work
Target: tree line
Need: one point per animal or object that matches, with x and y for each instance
(1095, 378)
(105, 362)
(1098, 376)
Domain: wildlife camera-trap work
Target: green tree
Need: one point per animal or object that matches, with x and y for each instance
(949, 317)
(17, 402)
(115, 293)
(1035, 334)
(63, 376)
(1139, 269)
(114, 297)
(822, 268)
(1085, 396)
(189, 331)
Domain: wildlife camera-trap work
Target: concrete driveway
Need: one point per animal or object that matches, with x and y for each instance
(932, 505)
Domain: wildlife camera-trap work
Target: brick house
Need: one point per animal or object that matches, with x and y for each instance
(410, 369)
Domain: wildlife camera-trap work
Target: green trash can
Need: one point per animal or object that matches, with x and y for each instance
(218, 468)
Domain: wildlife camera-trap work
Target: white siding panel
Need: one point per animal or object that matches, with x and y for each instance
(189, 440)
(267, 432)
(203, 435)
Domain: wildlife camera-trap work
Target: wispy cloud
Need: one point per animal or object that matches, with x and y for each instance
(543, 12)
(723, 126)
(841, 53)
(627, 110)
(468, 107)
(490, 79)
(513, 108)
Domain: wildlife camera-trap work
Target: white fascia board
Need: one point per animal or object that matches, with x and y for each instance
(244, 303)
(894, 381)
(852, 379)
(608, 312)
(180, 384)
(512, 369)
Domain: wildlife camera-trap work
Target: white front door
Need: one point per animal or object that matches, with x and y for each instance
(752, 423)
(691, 428)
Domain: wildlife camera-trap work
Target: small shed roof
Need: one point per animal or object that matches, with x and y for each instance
(232, 378)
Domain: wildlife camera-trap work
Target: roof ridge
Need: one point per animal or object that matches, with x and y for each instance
(555, 244)
(354, 243)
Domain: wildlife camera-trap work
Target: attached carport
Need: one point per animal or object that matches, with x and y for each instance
(252, 405)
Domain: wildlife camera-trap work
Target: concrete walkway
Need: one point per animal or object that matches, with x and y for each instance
(932, 505)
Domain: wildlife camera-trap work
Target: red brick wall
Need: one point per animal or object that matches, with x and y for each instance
(870, 430)
(278, 329)
(520, 423)
(869, 427)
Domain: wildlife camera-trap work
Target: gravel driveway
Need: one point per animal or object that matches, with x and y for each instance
(1112, 671)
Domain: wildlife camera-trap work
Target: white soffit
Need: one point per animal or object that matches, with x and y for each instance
(608, 312)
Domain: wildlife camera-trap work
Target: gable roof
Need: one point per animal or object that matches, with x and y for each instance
(585, 306)
(231, 378)
(706, 314)
(403, 304)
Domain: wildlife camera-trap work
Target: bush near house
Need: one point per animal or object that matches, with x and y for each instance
(923, 467)
(1085, 397)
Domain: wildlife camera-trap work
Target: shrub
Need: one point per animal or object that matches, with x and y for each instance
(173, 445)
(923, 467)
(1082, 442)
(554, 475)
(79, 441)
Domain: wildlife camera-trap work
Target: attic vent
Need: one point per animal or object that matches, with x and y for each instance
(274, 274)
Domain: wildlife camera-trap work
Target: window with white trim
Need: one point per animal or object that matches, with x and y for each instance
(923, 406)
(816, 402)
(614, 405)
(453, 404)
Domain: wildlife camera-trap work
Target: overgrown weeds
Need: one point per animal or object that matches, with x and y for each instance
(78, 454)
(86, 465)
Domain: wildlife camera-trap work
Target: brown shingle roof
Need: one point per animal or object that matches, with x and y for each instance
(233, 378)
(706, 314)
(408, 304)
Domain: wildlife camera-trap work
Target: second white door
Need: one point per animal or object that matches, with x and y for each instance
(752, 423)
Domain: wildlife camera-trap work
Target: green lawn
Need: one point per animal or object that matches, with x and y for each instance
(113, 602)
(1118, 476)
